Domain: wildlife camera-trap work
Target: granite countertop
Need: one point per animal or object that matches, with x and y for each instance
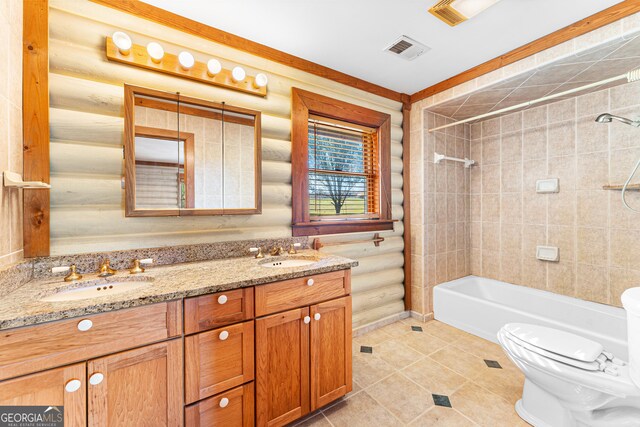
(25, 306)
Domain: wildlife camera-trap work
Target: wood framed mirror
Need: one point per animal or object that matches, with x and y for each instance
(186, 156)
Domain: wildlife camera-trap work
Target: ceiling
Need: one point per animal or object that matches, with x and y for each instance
(350, 35)
(607, 60)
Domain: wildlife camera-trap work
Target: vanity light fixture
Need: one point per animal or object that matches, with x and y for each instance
(238, 74)
(213, 67)
(122, 42)
(260, 80)
(454, 12)
(186, 60)
(155, 51)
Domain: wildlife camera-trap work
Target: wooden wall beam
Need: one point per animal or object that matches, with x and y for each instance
(593, 22)
(35, 118)
(406, 193)
(161, 16)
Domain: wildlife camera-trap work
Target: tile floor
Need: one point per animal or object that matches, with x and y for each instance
(407, 369)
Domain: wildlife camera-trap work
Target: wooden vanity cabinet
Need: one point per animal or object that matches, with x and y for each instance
(141, 387)
(303, 355)
(233, 408)
(55, 387)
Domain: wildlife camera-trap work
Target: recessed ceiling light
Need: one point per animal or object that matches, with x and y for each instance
(454, 12)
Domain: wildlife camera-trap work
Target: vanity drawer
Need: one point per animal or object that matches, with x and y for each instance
(219, 309)
(288, 294)
(36, 348)
(218, 360)
(235, 411)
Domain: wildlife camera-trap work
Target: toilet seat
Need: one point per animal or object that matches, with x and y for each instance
(563, 347)
(567, 368)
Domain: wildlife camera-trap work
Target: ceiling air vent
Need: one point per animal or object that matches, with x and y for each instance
(407, 48)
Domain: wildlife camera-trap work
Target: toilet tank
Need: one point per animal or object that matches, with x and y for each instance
(631, 303)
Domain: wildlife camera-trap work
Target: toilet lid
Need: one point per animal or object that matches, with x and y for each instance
(561, 343)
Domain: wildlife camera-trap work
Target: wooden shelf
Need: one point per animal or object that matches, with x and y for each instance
(631, 187)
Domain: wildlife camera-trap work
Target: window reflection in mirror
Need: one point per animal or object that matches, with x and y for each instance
(189, 156)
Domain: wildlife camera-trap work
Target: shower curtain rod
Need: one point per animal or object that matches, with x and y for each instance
(631, 76)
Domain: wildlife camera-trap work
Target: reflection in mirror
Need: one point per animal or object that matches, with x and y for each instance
(190, 157)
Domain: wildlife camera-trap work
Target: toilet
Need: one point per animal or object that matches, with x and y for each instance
(573, 381)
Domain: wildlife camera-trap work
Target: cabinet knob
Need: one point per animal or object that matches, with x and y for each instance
(316, 316)
(223, 335)
(96, 378)
(307, 319)
(222, 299)
(84, 325)
(73, 385)
(224, 402)
(310, 282)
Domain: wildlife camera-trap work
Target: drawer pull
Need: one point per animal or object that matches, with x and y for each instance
(84, 325)
(223, 335)
(310, 282)
(222, 299)
(96, 378)
(307, 319)
(224, 402)
(73, 385)
(316, 316)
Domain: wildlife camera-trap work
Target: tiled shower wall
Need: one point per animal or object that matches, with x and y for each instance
(440, 229)
(598, 239)
(10, 128)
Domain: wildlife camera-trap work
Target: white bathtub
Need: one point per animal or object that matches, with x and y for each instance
(481, 306)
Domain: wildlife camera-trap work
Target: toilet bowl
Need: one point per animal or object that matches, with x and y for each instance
(573, 381)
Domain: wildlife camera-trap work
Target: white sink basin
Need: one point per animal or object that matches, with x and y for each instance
(97, 291)
(288, 263)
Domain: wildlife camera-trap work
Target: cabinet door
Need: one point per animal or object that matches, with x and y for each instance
(330, 351)
(232, 408)
(56, 387)
(141, 387)
(218, 360)
(282, 367)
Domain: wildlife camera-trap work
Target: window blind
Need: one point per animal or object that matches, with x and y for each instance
(343, 171)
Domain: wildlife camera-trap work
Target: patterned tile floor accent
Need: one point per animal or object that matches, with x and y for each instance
(395, 384)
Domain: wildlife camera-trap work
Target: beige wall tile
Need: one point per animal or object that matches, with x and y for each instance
(534, 208)
(491, 179)
(562, 111)
(593, 246)
(511, 177)
(563, 168)
(592, 171)
(491, 207)
(593, 283)
(562, 208)
(490, 236)
(534, 117)
(534, 273)
(511, 123)
(511, 147)
(490, 127)
(511, 208)
(533, 236)
(564, 238)
(534, 143)
(619, 281)
(623, 136)
(490, 150)
(593, 208)
(592, 136)
(593, 104)
(562, 278)
(562, 138)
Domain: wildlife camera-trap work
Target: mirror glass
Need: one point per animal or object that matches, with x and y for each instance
(191, 157)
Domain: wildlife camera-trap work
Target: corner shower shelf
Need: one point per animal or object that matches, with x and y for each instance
(14, 180)
(631, 187)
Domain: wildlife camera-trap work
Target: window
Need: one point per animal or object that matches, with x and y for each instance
(341, 167)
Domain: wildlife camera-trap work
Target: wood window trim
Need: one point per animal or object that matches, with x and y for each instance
(189, 157)
(305, 103)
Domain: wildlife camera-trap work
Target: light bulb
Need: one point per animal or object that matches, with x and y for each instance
(213, 67)
(155, 51)
(260, 80)
(122, 42)
(186, 60)
(238, 74)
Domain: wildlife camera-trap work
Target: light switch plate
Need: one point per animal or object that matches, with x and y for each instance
(545, 186)
(548, 253)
